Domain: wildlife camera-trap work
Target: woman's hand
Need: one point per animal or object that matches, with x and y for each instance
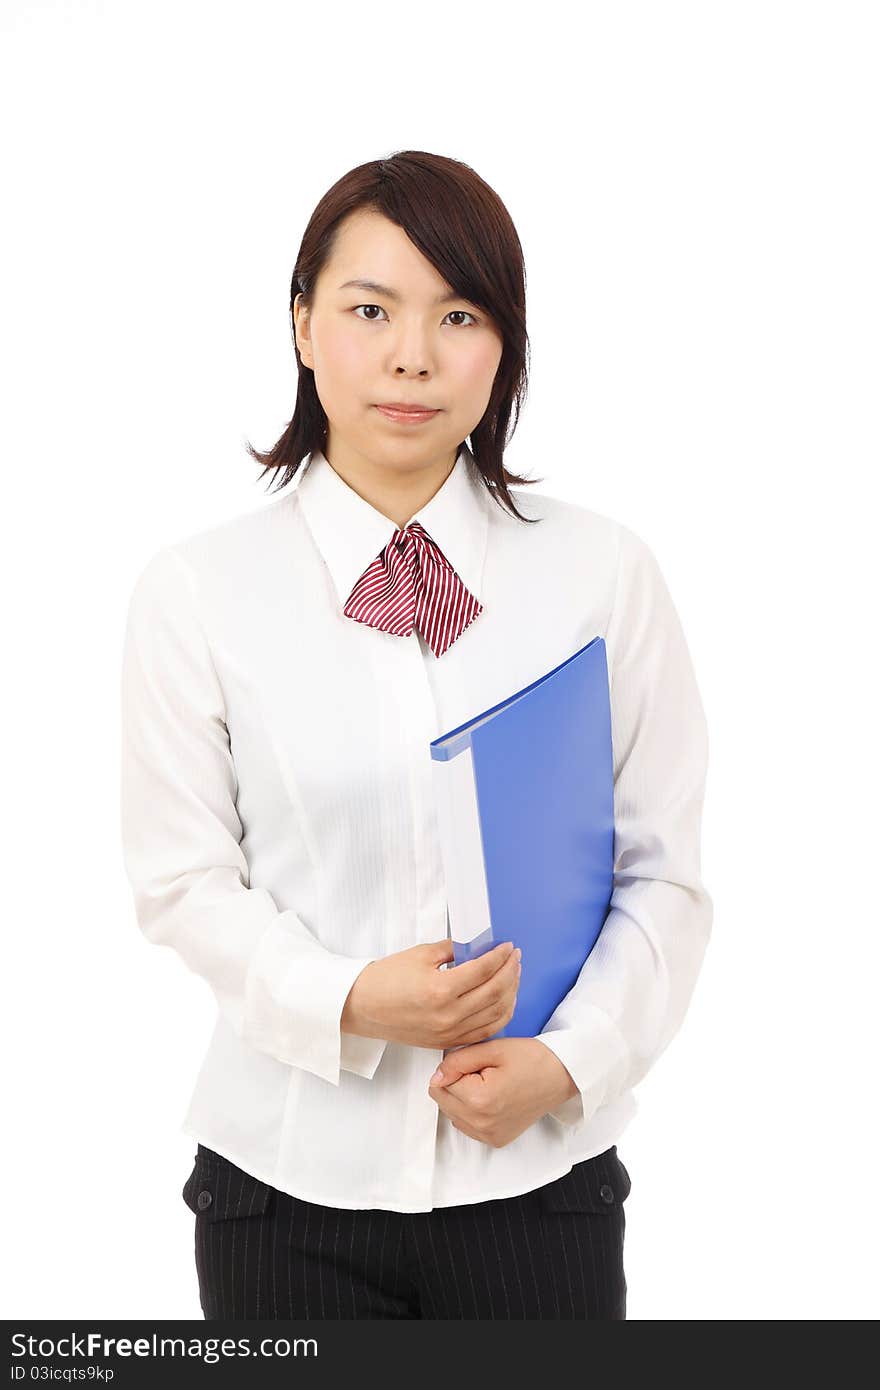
(494, 1091)
(406, 997)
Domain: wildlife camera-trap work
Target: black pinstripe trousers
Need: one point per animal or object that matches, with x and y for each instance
(555, 1252)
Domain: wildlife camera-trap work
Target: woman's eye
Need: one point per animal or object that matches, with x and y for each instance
(373, 319)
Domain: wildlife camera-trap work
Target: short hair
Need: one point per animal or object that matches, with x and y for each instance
(463, 228)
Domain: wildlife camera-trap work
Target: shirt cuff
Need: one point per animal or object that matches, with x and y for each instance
(294, 998)
(597, 1058)
(361, 1055)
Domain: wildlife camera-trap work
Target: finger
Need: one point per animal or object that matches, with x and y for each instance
(456, 1114)
(481, 1035)
(473, 973)
(449, 1075)
(458, 1062)
(482, 1002)
(494, 1010)
(466, 1129)
(481, 1025)
(456, 1106)
(441, 951)
(479, 995)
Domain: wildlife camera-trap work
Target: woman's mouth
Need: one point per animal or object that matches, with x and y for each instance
(406, 417)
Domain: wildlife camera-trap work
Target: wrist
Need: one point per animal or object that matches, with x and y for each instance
(561, 1085)
(354, 1019)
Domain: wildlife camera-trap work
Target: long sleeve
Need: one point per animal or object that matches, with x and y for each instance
(634, 988)
(281, 990)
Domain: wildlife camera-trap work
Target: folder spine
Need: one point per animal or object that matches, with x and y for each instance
(461, 845)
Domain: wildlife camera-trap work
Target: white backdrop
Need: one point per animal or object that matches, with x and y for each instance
(695, 187)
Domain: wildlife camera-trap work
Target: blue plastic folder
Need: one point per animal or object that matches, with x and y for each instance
(525, 806)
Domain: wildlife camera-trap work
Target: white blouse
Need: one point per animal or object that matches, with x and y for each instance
(279, 831)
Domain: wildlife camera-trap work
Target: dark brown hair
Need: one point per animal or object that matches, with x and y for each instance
(462, 227)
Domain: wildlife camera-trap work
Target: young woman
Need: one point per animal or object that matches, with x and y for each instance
(284, 674)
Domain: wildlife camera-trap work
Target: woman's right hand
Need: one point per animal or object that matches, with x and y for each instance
(407, 998)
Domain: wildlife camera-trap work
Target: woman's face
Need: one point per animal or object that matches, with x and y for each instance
(367, 346)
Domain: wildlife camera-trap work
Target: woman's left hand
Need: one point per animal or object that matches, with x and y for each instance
(494, 1090)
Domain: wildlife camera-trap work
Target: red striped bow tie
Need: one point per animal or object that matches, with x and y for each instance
(412, 584)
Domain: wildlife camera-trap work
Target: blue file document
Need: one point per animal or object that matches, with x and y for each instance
(525, 807)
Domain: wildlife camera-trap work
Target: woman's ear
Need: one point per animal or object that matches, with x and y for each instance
(301, 329)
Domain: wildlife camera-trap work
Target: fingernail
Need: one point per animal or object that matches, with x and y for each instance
(518, 953)
(438, 1076)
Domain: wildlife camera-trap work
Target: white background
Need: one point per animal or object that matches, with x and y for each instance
(695, 187)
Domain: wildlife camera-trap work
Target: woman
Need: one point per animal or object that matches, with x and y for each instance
(284, 675)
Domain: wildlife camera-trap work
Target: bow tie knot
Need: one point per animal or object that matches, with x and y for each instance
(412, 584)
